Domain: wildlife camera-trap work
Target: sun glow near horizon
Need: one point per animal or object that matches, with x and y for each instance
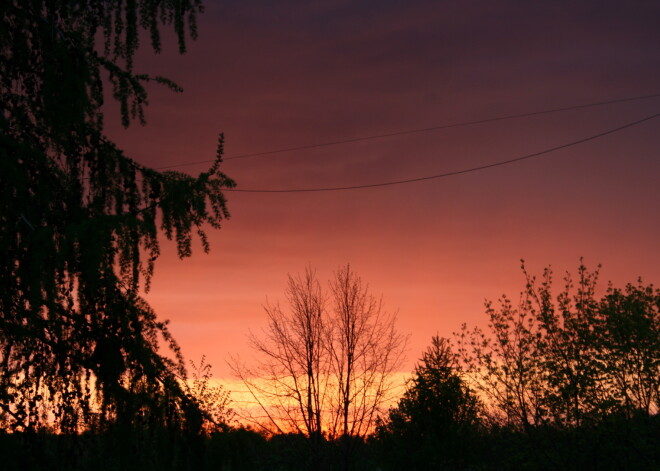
(249, 411)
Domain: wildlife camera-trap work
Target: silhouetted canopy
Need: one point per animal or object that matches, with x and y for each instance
(79, 220)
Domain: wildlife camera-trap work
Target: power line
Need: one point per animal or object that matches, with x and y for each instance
(456, 172)
(418, 130)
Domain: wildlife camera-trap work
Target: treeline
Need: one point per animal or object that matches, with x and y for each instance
(566, 380)
(613, 444)
(160, 449)
(558, 381)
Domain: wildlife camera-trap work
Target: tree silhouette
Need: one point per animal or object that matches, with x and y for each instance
(324, 371)
(631, 347)
(79, 220)
(365, 349)
(569, 359)
(437, 399)
(289, 382)
(434, 418)
(213, 400)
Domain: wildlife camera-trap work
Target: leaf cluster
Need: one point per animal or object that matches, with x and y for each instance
(79, 220)
(568, 359)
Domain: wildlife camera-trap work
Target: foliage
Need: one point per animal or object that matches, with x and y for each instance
(567, 381)
(506, 367)
(437, 400)
(631, 347)
(213, 400)
(569, 360)
(79, 220)
(439, 423)
(434, 417)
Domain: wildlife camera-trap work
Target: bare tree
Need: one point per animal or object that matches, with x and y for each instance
(365, 349)
(323, 371)
(288, 383)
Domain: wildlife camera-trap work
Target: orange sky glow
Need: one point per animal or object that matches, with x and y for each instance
(281, 75)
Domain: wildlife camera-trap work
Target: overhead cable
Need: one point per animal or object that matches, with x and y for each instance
(416, 131)
(456, 172)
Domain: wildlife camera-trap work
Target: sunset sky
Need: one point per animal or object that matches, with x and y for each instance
(274, 75)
